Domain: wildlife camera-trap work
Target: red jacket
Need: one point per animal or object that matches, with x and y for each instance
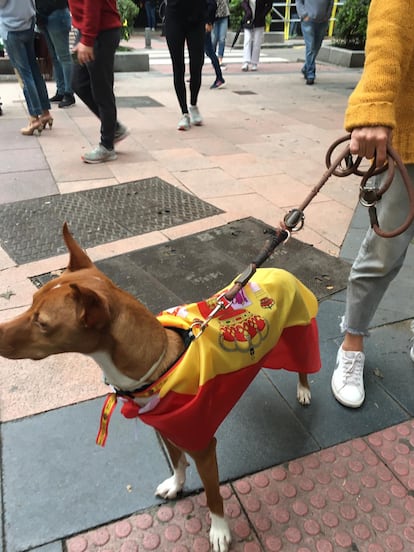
(91, 17)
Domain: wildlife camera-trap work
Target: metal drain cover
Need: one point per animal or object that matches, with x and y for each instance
(32, 229)
(137, 101)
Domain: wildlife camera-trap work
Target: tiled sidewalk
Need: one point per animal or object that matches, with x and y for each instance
(259, 153)
(354, 496)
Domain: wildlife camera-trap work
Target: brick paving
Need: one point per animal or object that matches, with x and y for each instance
(355, 496)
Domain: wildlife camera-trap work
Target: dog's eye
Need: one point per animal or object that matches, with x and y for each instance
(43, 326)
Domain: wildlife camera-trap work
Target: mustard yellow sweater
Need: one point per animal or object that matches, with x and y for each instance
(385, 92)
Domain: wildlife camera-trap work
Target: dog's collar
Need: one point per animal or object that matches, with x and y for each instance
(187, 337)
(145, 378)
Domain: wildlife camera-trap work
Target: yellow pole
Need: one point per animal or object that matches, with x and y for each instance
(287, 20)
(333, 14)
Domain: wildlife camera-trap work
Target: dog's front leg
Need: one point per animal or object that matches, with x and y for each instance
(174, 484)
(303, 392)
(206, 463)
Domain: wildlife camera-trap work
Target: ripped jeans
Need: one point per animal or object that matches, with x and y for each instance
(379, 259)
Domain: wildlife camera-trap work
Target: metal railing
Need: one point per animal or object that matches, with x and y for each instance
(285, 12)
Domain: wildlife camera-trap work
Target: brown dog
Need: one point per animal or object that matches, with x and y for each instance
(270, 323)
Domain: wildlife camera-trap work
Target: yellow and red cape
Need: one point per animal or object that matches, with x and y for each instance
(270, 323)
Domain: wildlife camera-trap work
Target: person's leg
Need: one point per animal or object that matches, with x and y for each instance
(148, 13)
(313, 34)
(212, 55)
(258, 34)
(153, 19)
(101, 72)
(18, 51)
(247, 48)
(175, 37)
(58, 28)
(378, 262)
(57, 68)
(308, 68)
(81, 84)
(218, 36)
(195, 44)
(320, 30)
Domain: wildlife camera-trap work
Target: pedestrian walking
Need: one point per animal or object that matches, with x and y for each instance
(253, 23)
(98, 29)
(314, 21)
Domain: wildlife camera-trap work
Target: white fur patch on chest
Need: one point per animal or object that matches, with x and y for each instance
(112, 375)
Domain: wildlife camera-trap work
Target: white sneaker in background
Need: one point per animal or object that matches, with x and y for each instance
(245, 67)
(184, 122)
(195, 116)
(347, 380)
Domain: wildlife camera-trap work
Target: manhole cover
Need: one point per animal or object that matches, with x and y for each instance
(136, 101)
(32, 229)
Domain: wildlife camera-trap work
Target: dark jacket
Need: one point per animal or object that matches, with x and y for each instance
(211, 11)
(190, 11)
(262, 9)
(46, 7)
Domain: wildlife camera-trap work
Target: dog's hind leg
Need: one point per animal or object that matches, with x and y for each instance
(174, 484)
(206, 463)
(303, 391)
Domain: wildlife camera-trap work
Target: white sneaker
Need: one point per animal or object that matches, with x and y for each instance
(184, 122)
(253, 68)
(195, 117)
(347, 380)
(99, 155)
(412, 353)
(245, 67)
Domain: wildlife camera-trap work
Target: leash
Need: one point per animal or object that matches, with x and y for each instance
(343, 165)
(369, 195)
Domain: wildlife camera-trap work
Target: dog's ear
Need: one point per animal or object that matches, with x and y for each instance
(78, 258)
(93, 308)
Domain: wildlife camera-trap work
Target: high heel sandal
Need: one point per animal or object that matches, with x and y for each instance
(47, 120)
(35, 124)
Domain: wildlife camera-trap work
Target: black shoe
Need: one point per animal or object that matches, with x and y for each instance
(310, 81)
(67, 101)
(56, 98)
(303, 72)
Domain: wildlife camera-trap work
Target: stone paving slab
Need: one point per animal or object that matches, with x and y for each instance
(353, 496)
(57, 481)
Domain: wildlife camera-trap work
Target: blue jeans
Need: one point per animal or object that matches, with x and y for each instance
(313, 35)
(20, 47)
(379, 259)
(150, 9)
(208, 48)
(56, 32)
(218, 36)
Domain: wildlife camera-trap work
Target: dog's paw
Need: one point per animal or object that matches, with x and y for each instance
(220, 536)
(170, 487)
(303, 394)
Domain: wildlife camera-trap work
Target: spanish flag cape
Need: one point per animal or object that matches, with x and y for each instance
(270, 323)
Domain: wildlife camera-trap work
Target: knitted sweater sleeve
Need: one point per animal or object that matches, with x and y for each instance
(388, 59)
